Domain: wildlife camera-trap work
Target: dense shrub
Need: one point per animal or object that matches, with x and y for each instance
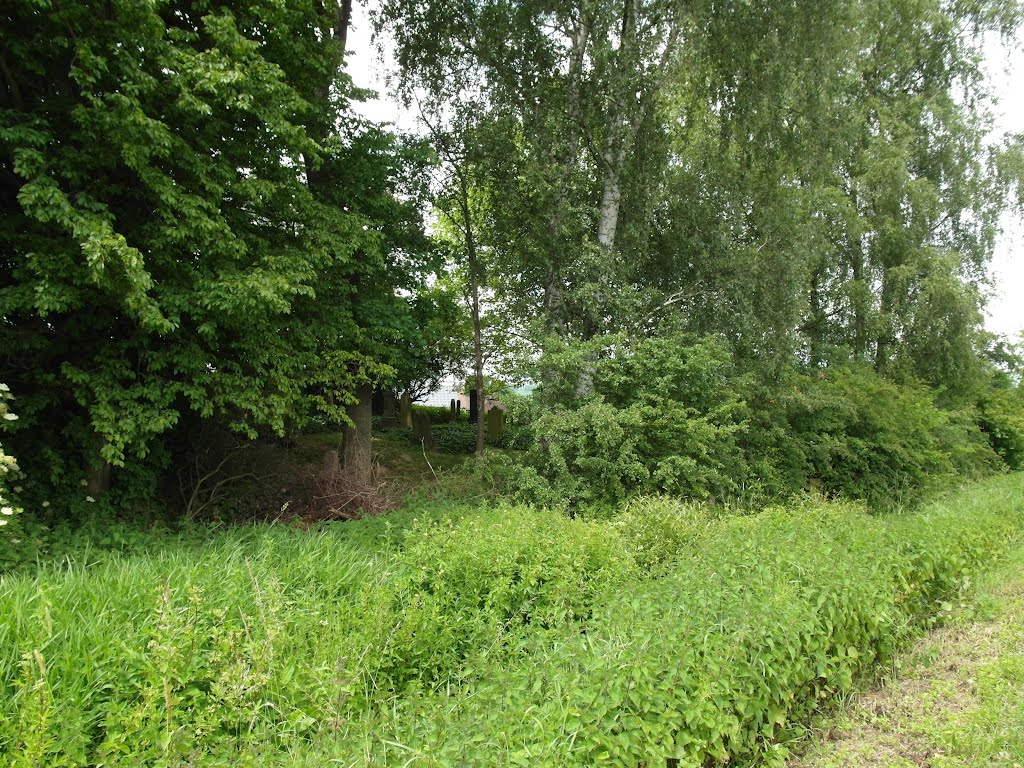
(1002, 419)
(454, 437)
(198, 652)
(620, 417)
(862, 437)
(520, 414)
(662, 416)
(482, 584)
(423, 638)
(10, 473)
(657, 528)
(441, 414)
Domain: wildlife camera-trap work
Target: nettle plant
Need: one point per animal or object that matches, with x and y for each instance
(9, 470)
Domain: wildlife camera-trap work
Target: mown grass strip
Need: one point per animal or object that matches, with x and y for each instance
(956, 698)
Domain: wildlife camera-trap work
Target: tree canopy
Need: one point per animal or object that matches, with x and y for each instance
(199, 228)
(164, 250)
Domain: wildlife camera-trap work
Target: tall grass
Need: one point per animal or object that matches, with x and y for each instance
(450, 636)
(142, 657)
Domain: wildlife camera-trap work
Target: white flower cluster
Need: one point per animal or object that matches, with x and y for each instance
(9, 469)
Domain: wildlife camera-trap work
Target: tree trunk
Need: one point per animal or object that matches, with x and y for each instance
(620, 135)
(357, 451)
(474, 294)
(552, 303)
(611, 197)
(816, 326)
(860, 287)
(885, 335)
(98, 470)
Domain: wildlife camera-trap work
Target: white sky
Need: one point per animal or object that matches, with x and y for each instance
(1005, 312)
(1006, 308)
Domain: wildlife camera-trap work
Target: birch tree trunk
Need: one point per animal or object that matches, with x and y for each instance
(473, 262)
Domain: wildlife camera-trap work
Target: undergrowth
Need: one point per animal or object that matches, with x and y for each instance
(478, 636)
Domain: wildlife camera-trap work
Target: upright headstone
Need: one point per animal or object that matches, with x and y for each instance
(455, 410)
(331, 463)
(495, 424)
(388, 416)
(421, 428)
(458, 407)
(405, 411)
(474, 407)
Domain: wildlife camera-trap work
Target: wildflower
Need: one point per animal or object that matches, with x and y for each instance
(89, 499)
(11, 416)
(84, 483)
(2, 522)
(6, 511)
(46, 504)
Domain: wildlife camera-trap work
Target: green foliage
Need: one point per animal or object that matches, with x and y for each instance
(10, 473)
(440, 414)
(765, 618)
(455, 436)
(663, 416)
(249, 639)
(862, 437)
(89, 533)
(436, 343)
(666, 415)
(480, 585)
(657, 528)
(191, 230)
(1002, 419)
(196, 227)
(418, 634)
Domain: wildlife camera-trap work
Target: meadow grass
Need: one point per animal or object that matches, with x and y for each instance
(447, 634)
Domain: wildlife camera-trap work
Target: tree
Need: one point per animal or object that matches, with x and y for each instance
(162, 250)
(437, 342)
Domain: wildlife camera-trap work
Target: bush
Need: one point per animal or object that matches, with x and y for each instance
(460, 436)
(482, 584)
(617, 418)
(441, 414)
(10, 473)
(657, 528)
(199, 654)
(663, 417)
(1002, 419)
(863, 437)
(454, 437)
(520, 414)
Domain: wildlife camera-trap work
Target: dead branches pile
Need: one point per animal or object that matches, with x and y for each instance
(344, 494)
